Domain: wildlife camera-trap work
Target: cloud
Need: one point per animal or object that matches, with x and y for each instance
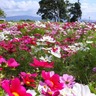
(72, 1)
(12, 8)
(88, 7)
(88, 10)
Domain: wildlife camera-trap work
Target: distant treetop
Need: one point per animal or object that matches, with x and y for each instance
(2, 13)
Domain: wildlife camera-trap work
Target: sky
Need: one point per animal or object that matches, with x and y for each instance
(30, 7)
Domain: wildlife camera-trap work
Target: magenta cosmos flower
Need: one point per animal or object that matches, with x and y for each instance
(2, 60)
(12, 63)
(52, 80)
(14, 88)
(37, 63)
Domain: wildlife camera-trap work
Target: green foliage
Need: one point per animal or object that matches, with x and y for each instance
(80, 65)
(38, 31)
(1, 92)
(1, 21)
(92, 87)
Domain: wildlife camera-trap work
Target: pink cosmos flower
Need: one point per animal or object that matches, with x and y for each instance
(2, 60)
(43, 64)
(68, 80)
(14, 88)
(12, 63)
(53, 81)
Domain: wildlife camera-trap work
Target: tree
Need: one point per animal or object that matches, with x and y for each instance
(59, 10)
(2, 13)
(75, 12)
(55, 10)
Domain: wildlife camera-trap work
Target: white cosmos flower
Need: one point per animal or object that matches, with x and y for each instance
(32, 92)
(82, 90)
(56, 51)
(6, 32)
(78, 46)
(2, 37)
(89, 42)
(67, 92)
(73, 48)
(47, 39)
(42, 87)
(40, 24)
(41, 43)
(46, 58)
(82, 23)
(94, 26)
(12, 23)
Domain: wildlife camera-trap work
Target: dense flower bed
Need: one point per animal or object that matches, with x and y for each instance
(47, 59)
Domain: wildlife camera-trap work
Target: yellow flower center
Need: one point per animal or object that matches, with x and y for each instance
(45, 86)
(15, 94)
(28, 73)
(50, 93)
(27, 82)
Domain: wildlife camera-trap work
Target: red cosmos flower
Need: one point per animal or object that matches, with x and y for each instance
(14, 88)
(20, 27)
(52, 80)
(43, 64)
(33, 42)
(28, 79)
(12, 63)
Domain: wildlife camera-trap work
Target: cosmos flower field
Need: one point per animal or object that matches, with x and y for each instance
(47, 59)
